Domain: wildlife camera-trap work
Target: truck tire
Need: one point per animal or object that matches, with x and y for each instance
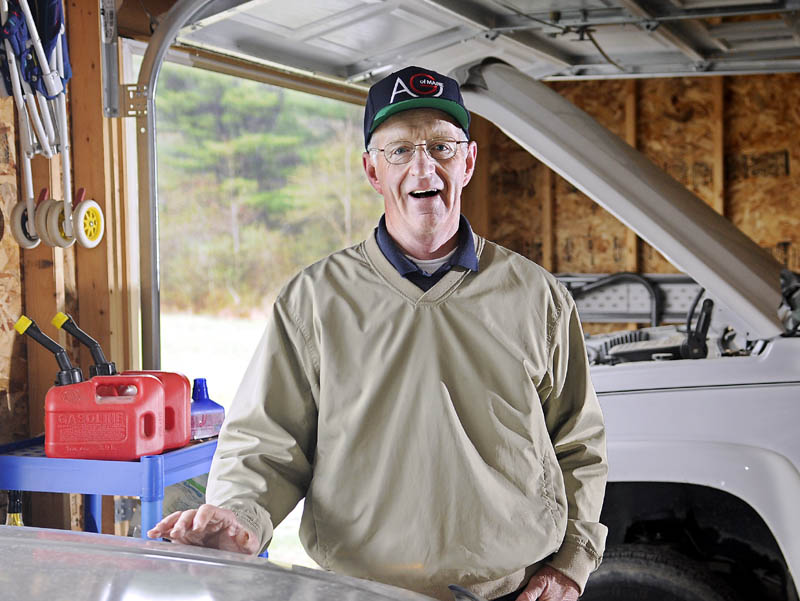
(648, 573)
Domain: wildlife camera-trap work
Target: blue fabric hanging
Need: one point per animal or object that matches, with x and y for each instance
(48, 15)
(49, 18)
(16, 32)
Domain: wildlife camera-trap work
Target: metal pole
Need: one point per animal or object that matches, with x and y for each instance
(162, 39)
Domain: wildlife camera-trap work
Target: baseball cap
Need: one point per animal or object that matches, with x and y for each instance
(413, 88)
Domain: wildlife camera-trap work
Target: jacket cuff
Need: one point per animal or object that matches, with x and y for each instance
(576, 560)
(255, 518)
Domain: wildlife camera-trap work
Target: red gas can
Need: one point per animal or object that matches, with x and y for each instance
(177, 406)
(107, 417)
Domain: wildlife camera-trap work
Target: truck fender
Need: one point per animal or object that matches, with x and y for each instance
(762, 478)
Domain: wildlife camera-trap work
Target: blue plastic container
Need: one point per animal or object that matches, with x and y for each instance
(207, 416)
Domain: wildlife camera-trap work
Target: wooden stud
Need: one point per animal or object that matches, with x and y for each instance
(475, 197)
(547, 182)
(632, 243)
(718, 166)
(45, 295)
(631, 239)
(129, 243)
(128, 233)
(93, 170)
(630, 112)
(43, 272)
(95, 167)
(118, 341)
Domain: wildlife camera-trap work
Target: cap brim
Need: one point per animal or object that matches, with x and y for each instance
(455, 110)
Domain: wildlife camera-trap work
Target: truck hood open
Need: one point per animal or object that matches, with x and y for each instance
(695, 238)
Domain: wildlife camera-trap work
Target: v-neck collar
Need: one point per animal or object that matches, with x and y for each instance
(464, 253)
(413, 293)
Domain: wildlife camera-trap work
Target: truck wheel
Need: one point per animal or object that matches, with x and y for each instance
(648, 573)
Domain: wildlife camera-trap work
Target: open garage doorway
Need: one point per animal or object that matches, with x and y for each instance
(255, 182)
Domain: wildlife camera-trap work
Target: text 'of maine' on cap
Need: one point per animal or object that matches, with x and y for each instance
(413, 88)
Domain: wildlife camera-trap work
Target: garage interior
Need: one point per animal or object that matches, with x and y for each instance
(728, 136)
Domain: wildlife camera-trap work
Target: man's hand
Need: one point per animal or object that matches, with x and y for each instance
(548, 584)
(208, 526)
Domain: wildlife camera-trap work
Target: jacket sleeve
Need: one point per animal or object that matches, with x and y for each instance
(576, 428)
(262, 466)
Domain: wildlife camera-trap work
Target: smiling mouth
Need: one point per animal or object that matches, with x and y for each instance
(425, 193)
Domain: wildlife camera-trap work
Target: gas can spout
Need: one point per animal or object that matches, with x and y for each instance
(101, 367)
(68, 374)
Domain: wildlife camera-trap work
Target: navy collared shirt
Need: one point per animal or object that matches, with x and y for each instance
(464, 256)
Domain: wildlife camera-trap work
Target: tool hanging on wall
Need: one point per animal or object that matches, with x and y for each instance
(35, 71)
(87, 218)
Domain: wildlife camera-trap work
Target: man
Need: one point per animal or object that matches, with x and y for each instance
(427, 391)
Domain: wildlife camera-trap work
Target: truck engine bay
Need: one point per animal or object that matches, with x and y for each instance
(705, 330)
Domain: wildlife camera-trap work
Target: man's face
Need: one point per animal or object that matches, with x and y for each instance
(422, 198)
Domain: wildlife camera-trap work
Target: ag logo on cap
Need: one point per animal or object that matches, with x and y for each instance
(419, 84)
(424, 84)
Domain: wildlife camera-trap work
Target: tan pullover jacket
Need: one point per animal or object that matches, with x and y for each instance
(447, 436)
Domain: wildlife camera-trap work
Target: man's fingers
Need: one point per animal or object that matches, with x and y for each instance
(183, 525)
(207, 526)
(548, 584)
(186, 520)
(209, 518)
(534, 590)
(164, 526)
(246, 541)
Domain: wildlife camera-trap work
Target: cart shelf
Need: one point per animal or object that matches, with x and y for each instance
(24, 466)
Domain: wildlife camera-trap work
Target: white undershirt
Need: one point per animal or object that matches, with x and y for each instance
(429, 266)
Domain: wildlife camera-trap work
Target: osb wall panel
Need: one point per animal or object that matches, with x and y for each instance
(588, 239)
(13, 375)
(675, 123)
(674, 129)
(762, 179)
(516, 218)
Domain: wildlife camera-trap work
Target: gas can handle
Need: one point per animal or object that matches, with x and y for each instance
(147, 425)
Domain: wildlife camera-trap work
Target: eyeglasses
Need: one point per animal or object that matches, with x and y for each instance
(402, 151)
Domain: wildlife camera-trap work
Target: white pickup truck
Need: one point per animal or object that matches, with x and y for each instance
(703, 500)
